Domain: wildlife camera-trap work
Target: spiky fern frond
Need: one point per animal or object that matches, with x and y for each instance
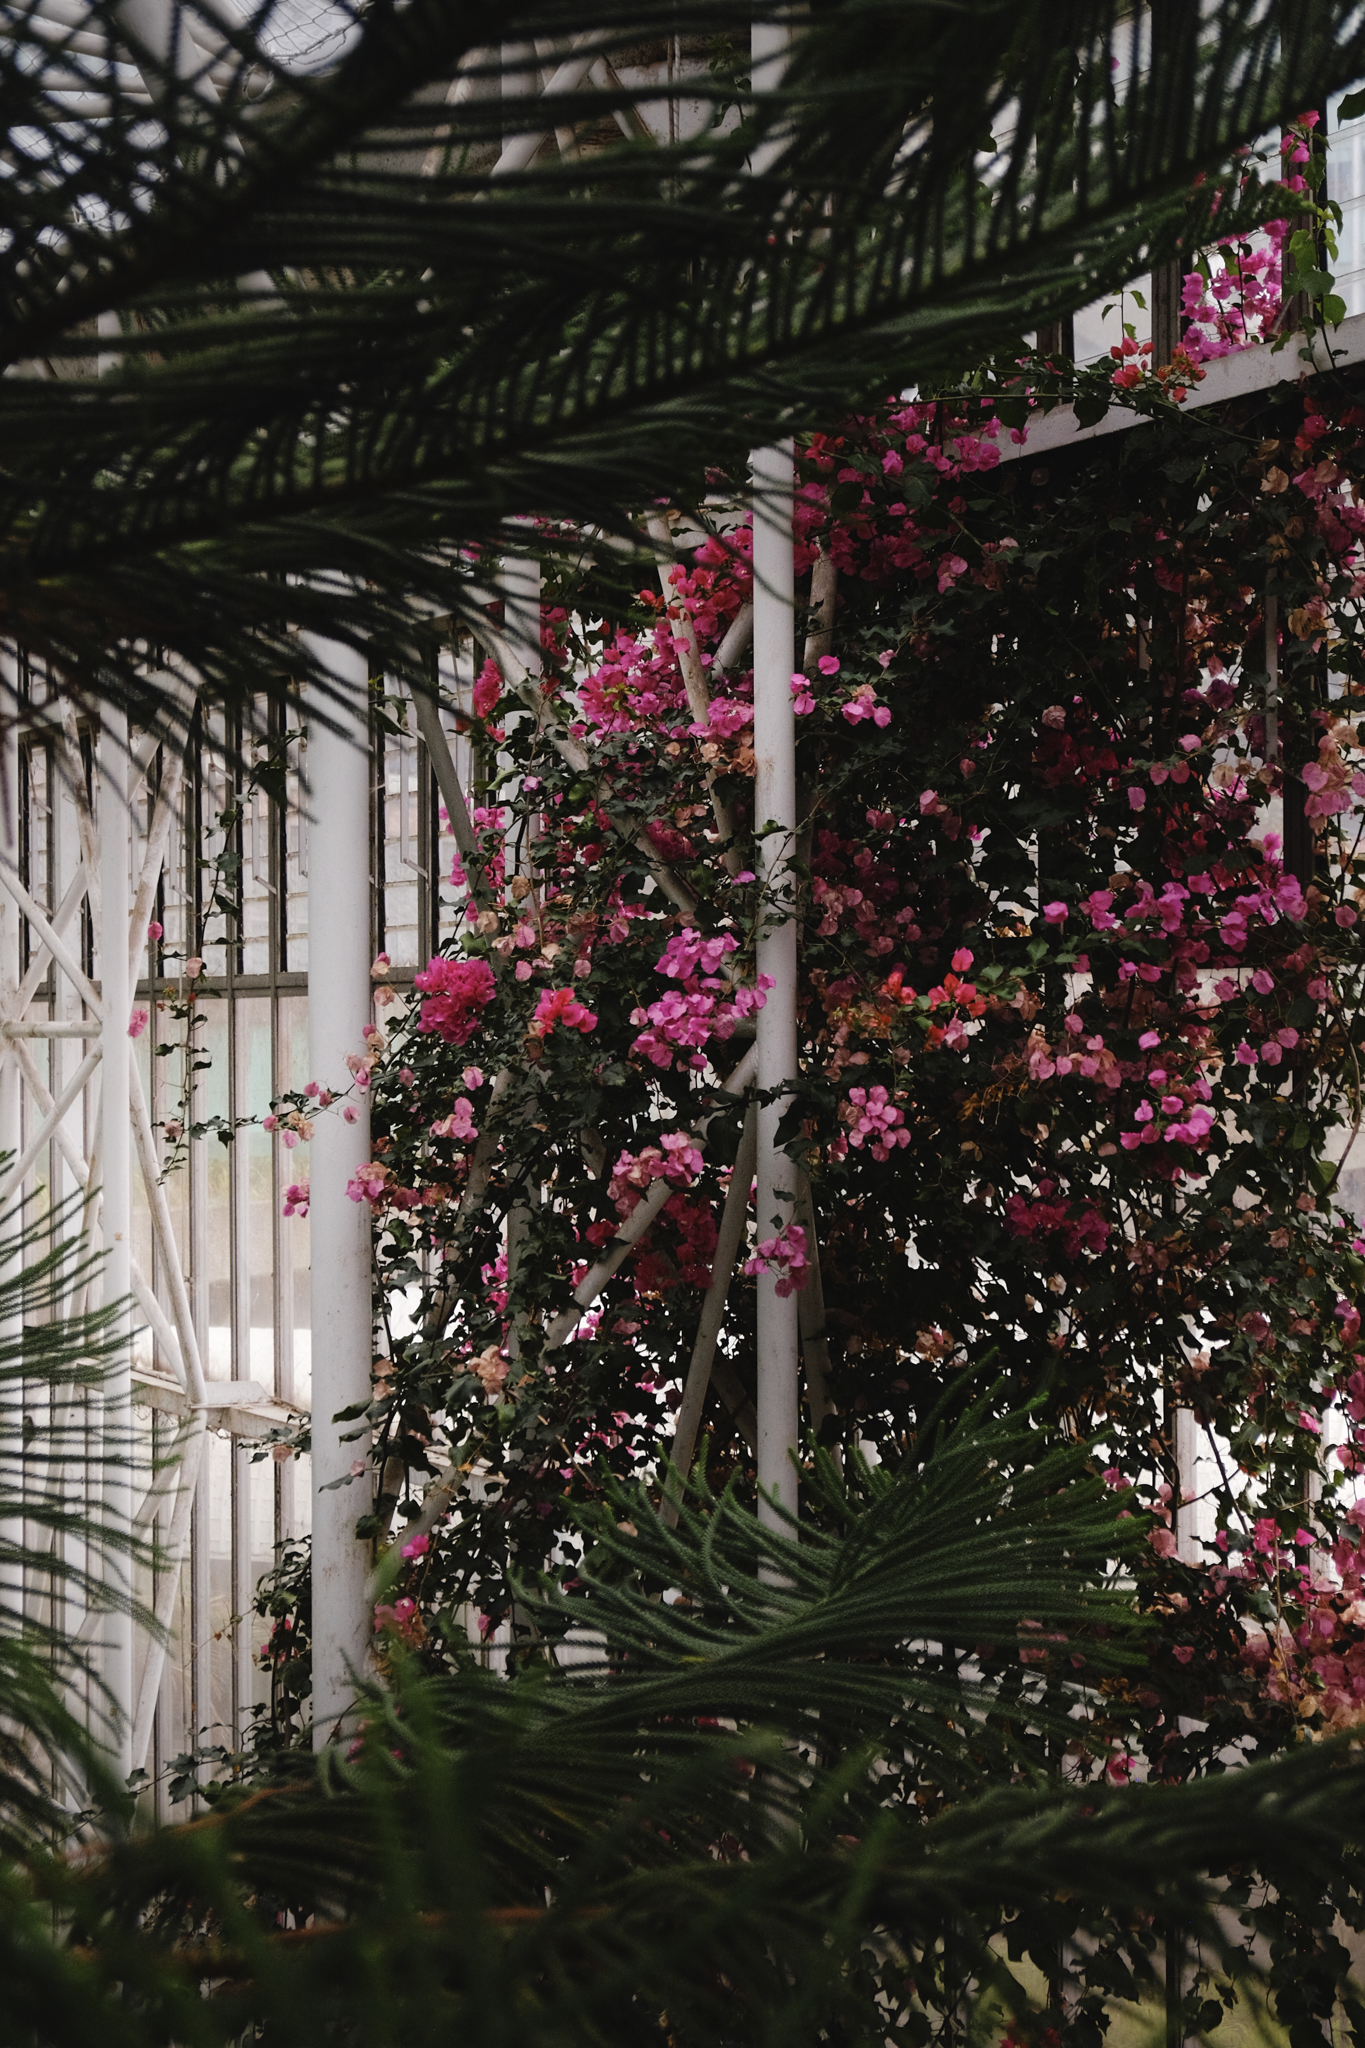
(365, 313)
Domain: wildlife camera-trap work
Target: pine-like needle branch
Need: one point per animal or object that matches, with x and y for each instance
(366, 309)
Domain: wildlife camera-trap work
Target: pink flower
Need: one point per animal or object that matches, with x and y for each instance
(296, 1199)
(1137, 797)
(138, 1023)
(828, 664)
(457, 991)
(417, 1547)
(487, 688)
(155, 931)
(1344, 915)
(400, 1619)
(367, 1184)
(784, 1254)
(561, 1006)
(1055, 913)
(962, 960)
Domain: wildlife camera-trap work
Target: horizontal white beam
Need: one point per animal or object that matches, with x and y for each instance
(1257, 368)
(39, 1027)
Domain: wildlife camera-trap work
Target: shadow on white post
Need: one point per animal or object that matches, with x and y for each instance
(775, 820)
(338, 1014)
(116, 1168)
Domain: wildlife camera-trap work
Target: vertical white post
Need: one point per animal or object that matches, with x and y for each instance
(1185, 1516)
(775, 820)
(11, 1142)
(338, 1013)
(116, 1192)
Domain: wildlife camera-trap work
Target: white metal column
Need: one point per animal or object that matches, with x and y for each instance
(116, 1192)
(338, 1013)
(11, 1143)
(775, 821)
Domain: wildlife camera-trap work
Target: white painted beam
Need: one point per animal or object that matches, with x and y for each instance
(1258, 368)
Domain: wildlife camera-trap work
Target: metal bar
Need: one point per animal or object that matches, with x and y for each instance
(37, 967)
(115, 1059)
(160, 1322)
(441, 1492)
(12, 1390)
(158, 835)
(338, 1013)
(50, 939)
(684, 638)
(736, 640)
(69, 741)
(165, 1234)
(46, 1101)
(177, 1548)
(41, 1027)
(49, 1125)
(638, 1222)
(729, 1238)
(810, 1313)
(519, 151)
(776, 957)
(448, 782)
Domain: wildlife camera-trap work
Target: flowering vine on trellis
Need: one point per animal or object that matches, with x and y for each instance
(1077, 1025)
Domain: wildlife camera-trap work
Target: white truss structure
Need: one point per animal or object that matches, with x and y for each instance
(90, 1112)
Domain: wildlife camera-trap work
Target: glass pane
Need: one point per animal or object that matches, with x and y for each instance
(216, 1475)
(295, 1366)
(216, 1238)
(254, 1150)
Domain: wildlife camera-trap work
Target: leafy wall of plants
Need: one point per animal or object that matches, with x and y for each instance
(1081, 1023)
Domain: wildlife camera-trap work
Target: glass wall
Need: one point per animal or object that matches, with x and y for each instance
(224, 981)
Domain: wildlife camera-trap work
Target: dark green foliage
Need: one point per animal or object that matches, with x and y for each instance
(346, 348)
(689, 1813)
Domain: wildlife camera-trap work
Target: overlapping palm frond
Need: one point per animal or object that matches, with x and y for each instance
(697, 1823)
(368, 310)
(67, 1557)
